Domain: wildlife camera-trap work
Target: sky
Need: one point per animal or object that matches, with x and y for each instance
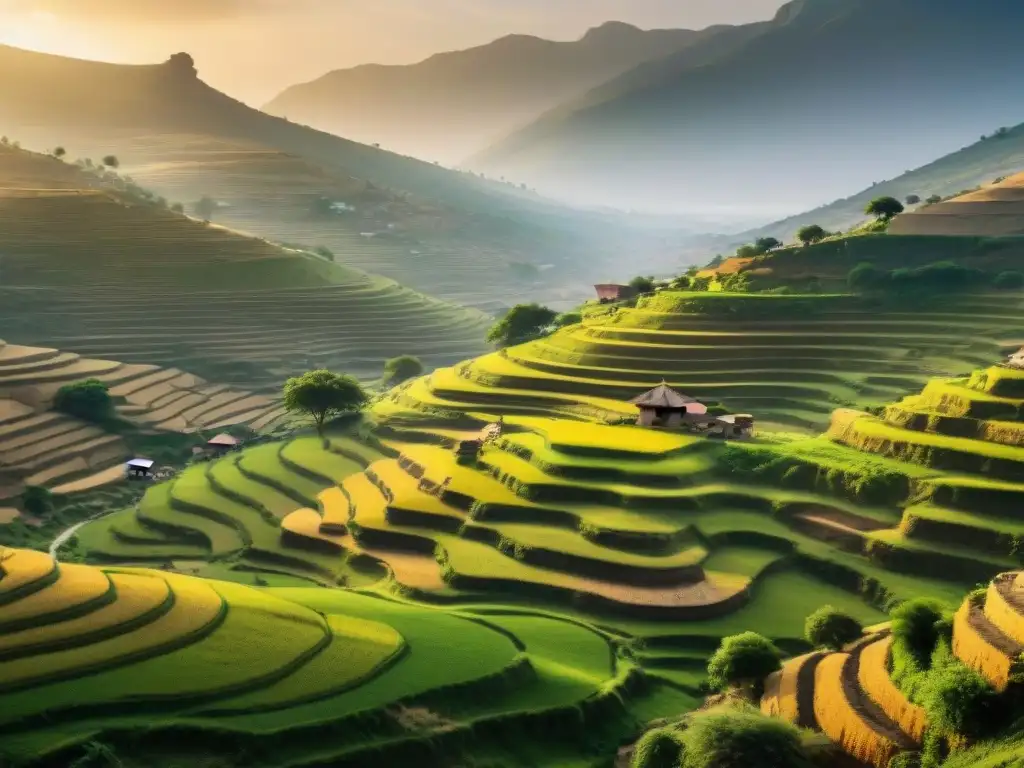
(253, 49)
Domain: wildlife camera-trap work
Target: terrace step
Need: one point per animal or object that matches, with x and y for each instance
(1004, 604)
(874, 680)
(789, 693)
(984, 647)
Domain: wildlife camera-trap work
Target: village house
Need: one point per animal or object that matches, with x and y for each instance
(139, 469)
(663, 407)
(609, 292)
(222, 444)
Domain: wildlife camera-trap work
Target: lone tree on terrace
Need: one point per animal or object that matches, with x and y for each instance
(642, 284)
(403, 368)
(59, 152)
(111, 161)
(912, 199)
(811, 234)
(829, 628)
(744, 659)
(323, 396)
(205, 207)
(523, 323)
(766, 244)
(88, 400)
(884, 208)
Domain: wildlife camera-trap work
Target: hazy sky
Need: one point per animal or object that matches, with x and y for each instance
(254, 48)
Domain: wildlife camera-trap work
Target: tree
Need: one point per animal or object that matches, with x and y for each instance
(766, 244)
(402, 368)
(745, 658)
(178, 208)
(811, 234)
(205, 207)
(961, 702)
(642, 284)
(933, 199)
(912, 199)
(659, 748)
(89, 400)
(111, 161)
(324, 253)
(741, 738)
(521, 324)
(59, 152)
(829, 628)
(37, 501)
(323, 396)
(569, 318)
(884, 208)
(747, 251)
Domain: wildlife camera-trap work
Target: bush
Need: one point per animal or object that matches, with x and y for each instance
(523, 323)
(916, 625)
(811, 234)
(37, 501)
(866, 277)
(741, 738)
(569, 318)
(744, 658)
(1009, 280)
(660, 748)
(402, 368)
(642, 284)
(829, 628)
(960, 702)
(89, 400)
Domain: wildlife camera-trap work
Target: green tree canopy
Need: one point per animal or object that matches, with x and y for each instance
(660, 748)
(521, 324)
(917, 625)
(569, 318)
(89, 400)
(867, 277)
(829, 628)
(323, 396)
(811, 234)
(1009, 280)
(111, 161)
(59, 152)
(884, 208)
(961, 702)
(933, 199)
(402, 368)
(37, 501)
(642, 284)
(748, 657)
(766, 244)
(741, 738)
(912, 199)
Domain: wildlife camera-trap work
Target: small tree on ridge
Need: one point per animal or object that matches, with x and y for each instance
(744, 659)
(811, 234)
(523, 323)
(829, 628)
(323, 395)
(884, 208)
(402, 368)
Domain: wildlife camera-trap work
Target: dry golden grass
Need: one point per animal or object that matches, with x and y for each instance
(335, 507)
(1005, 596)
(977, 646)
(873, 676)
(843, 724)
(782, 694)
(21, 567)
(8, 515)
(77, 584)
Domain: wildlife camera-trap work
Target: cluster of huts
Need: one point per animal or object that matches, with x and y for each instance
(143, 469)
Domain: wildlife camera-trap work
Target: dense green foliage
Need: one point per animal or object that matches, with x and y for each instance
(743, 658)
(1009, 280)
(830, 628)
(960, 702)
(323, 395)
(642, 284)
(884, 208)
(812, 233)
(522, 323)
(402, 368)
(918, 624)
(89, 400)
(660, 748)
(740, 738)
(37, 501)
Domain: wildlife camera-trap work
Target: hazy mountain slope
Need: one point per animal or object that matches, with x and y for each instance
(995, 211)
(981, 163)
(450, 234)
(827, 95)
(454, 104)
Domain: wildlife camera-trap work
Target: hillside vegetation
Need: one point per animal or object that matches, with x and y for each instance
(91, 269)
(686, 127)
(463, 101)
(441, 231)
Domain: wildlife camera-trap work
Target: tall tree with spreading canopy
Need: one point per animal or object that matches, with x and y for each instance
(811, 234)
(111, 161)
(323, 395)
(884, 208)
(523, 323)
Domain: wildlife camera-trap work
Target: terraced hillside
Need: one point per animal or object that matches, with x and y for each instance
(100, 274)
(994, 211)
(788, 359)
(855, 698)
(93, 655)
(42, 447)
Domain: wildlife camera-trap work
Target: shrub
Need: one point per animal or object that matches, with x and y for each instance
(660, 748)
(89, 400)
(960, 702)
(569, 318)
(884, 208)
(933, 199)
(744, 658)
(324, 253)
(912, 199)
(642, 284)
(1009, 280)
(111, 161)
(866, 277)
(523, 323)
(766, 244)
(916, 625)
(741, 738)
(829, 628)
(402, 368)
(37, 501)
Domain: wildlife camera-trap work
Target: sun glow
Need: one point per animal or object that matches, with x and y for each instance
(44, 32)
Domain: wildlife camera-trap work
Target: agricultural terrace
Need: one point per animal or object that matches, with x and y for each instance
(857, 698)
(993, 211)
(43, 447)
(97, 274)
(788, 359)
(302, 676)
